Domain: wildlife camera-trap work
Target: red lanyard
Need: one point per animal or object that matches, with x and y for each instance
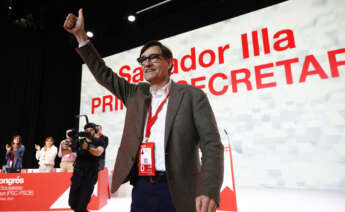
(151, 120)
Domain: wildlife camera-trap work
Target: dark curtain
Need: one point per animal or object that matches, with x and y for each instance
(40, 84)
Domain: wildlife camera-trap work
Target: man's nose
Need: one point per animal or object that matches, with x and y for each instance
(148, 63)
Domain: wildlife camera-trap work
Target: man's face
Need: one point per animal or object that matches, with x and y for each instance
(99, 129)
(155, 70)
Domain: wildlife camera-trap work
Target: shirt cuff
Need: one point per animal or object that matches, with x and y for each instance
(83, 43)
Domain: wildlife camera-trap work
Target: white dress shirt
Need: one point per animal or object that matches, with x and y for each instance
(47, 157)
(158, 128)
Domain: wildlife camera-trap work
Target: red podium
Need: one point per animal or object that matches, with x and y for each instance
(46, 191)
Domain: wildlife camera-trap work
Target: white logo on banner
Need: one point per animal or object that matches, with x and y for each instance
(62, 201)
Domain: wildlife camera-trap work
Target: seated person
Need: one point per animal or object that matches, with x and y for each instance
(15, 153)
(65, 153)
(46, 155)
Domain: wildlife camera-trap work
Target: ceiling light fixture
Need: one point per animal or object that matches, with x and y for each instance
(131, 18)
(89, 34)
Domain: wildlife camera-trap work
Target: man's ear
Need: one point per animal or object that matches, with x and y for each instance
(171, 65)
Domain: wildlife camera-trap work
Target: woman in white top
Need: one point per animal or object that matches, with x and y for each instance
(46, 155)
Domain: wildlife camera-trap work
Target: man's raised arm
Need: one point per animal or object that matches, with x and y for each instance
(75, 26)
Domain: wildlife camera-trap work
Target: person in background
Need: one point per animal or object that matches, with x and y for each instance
(15, 153)
(65, 153)
(85, 173)
(46, 155)
(104, 139)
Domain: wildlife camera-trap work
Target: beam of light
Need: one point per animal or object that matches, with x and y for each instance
(153, 6)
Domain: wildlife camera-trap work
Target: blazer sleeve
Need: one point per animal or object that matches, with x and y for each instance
(212, 169)
(60, 148)
(104, 75)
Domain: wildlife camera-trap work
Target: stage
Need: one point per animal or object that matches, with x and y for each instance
(261, 200)
(249, 199)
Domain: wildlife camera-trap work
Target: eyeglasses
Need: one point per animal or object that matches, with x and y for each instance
(154, 58)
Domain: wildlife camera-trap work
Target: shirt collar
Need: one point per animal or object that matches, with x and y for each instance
(162, 91)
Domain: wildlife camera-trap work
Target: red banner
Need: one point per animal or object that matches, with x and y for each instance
(45, 191)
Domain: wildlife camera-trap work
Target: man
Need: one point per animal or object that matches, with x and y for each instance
(105, 140)
(85, 171)
(171, 121)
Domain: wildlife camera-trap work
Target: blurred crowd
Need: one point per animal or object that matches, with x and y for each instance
(46, 154)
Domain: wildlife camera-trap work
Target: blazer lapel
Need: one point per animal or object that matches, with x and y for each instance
(143, 105)
(176, 94)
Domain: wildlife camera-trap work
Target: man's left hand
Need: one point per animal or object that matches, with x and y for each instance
(205, 204)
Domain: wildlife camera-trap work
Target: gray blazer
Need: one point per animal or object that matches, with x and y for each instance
(190, 125)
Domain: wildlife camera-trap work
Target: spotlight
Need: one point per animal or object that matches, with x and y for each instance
(89, 34)
(131, 18)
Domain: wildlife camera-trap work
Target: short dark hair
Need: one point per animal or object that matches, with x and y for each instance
(90, 125)
(166, 52)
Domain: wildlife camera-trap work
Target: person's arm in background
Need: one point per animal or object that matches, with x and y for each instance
(8, 152)
(95, 150)
(38, 151)
(62, 151)
(68, 142)
(106, 141)
(60, 147)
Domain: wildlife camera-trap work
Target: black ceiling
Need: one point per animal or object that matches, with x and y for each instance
(108, 19)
